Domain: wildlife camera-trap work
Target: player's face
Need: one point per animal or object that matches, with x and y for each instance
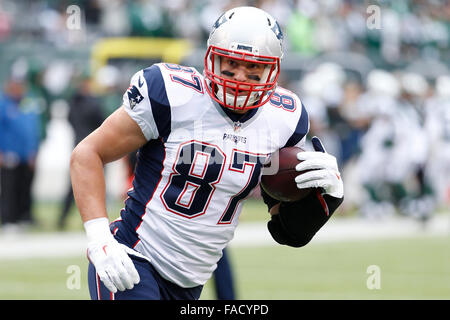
(15, 89)
(242, 71)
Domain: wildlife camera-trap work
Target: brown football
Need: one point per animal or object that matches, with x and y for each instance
(281, 185)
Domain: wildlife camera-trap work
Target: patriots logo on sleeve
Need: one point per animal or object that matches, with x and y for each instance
(134, 96)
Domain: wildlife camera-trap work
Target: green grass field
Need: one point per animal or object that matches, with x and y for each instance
(410, 268)
(413, 268)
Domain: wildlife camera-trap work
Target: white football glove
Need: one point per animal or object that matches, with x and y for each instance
(324, 171)
(113, 265)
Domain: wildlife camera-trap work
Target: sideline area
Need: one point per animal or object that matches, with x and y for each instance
(66, 244)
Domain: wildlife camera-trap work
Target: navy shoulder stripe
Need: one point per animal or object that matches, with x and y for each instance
(158, 100)
(301, 130)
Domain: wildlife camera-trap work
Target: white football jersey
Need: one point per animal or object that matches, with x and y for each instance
(201, 161)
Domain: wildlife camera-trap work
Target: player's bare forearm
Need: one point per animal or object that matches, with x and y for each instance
(111, 141)
(116, 137)
(88, 182)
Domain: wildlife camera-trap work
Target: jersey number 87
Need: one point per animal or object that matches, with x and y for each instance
(196, 172)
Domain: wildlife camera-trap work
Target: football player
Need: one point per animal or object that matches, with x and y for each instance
(202, 140)
(437, 126)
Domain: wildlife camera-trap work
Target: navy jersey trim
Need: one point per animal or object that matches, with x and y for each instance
(239, 117)
(148, 174)
(158, 99)
(301, 130)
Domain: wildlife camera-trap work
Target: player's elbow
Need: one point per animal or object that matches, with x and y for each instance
(83, 156)
(77, 155)
(282, 236)
(76, 159)
(297, 242)
(300, 242)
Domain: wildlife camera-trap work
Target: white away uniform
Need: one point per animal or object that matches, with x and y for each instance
(200, 162)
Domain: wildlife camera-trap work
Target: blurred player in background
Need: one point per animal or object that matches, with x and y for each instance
(395, 148)
(20, 134)
(202, 141)
(85, 115)
(419, 201)
(437, 127)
